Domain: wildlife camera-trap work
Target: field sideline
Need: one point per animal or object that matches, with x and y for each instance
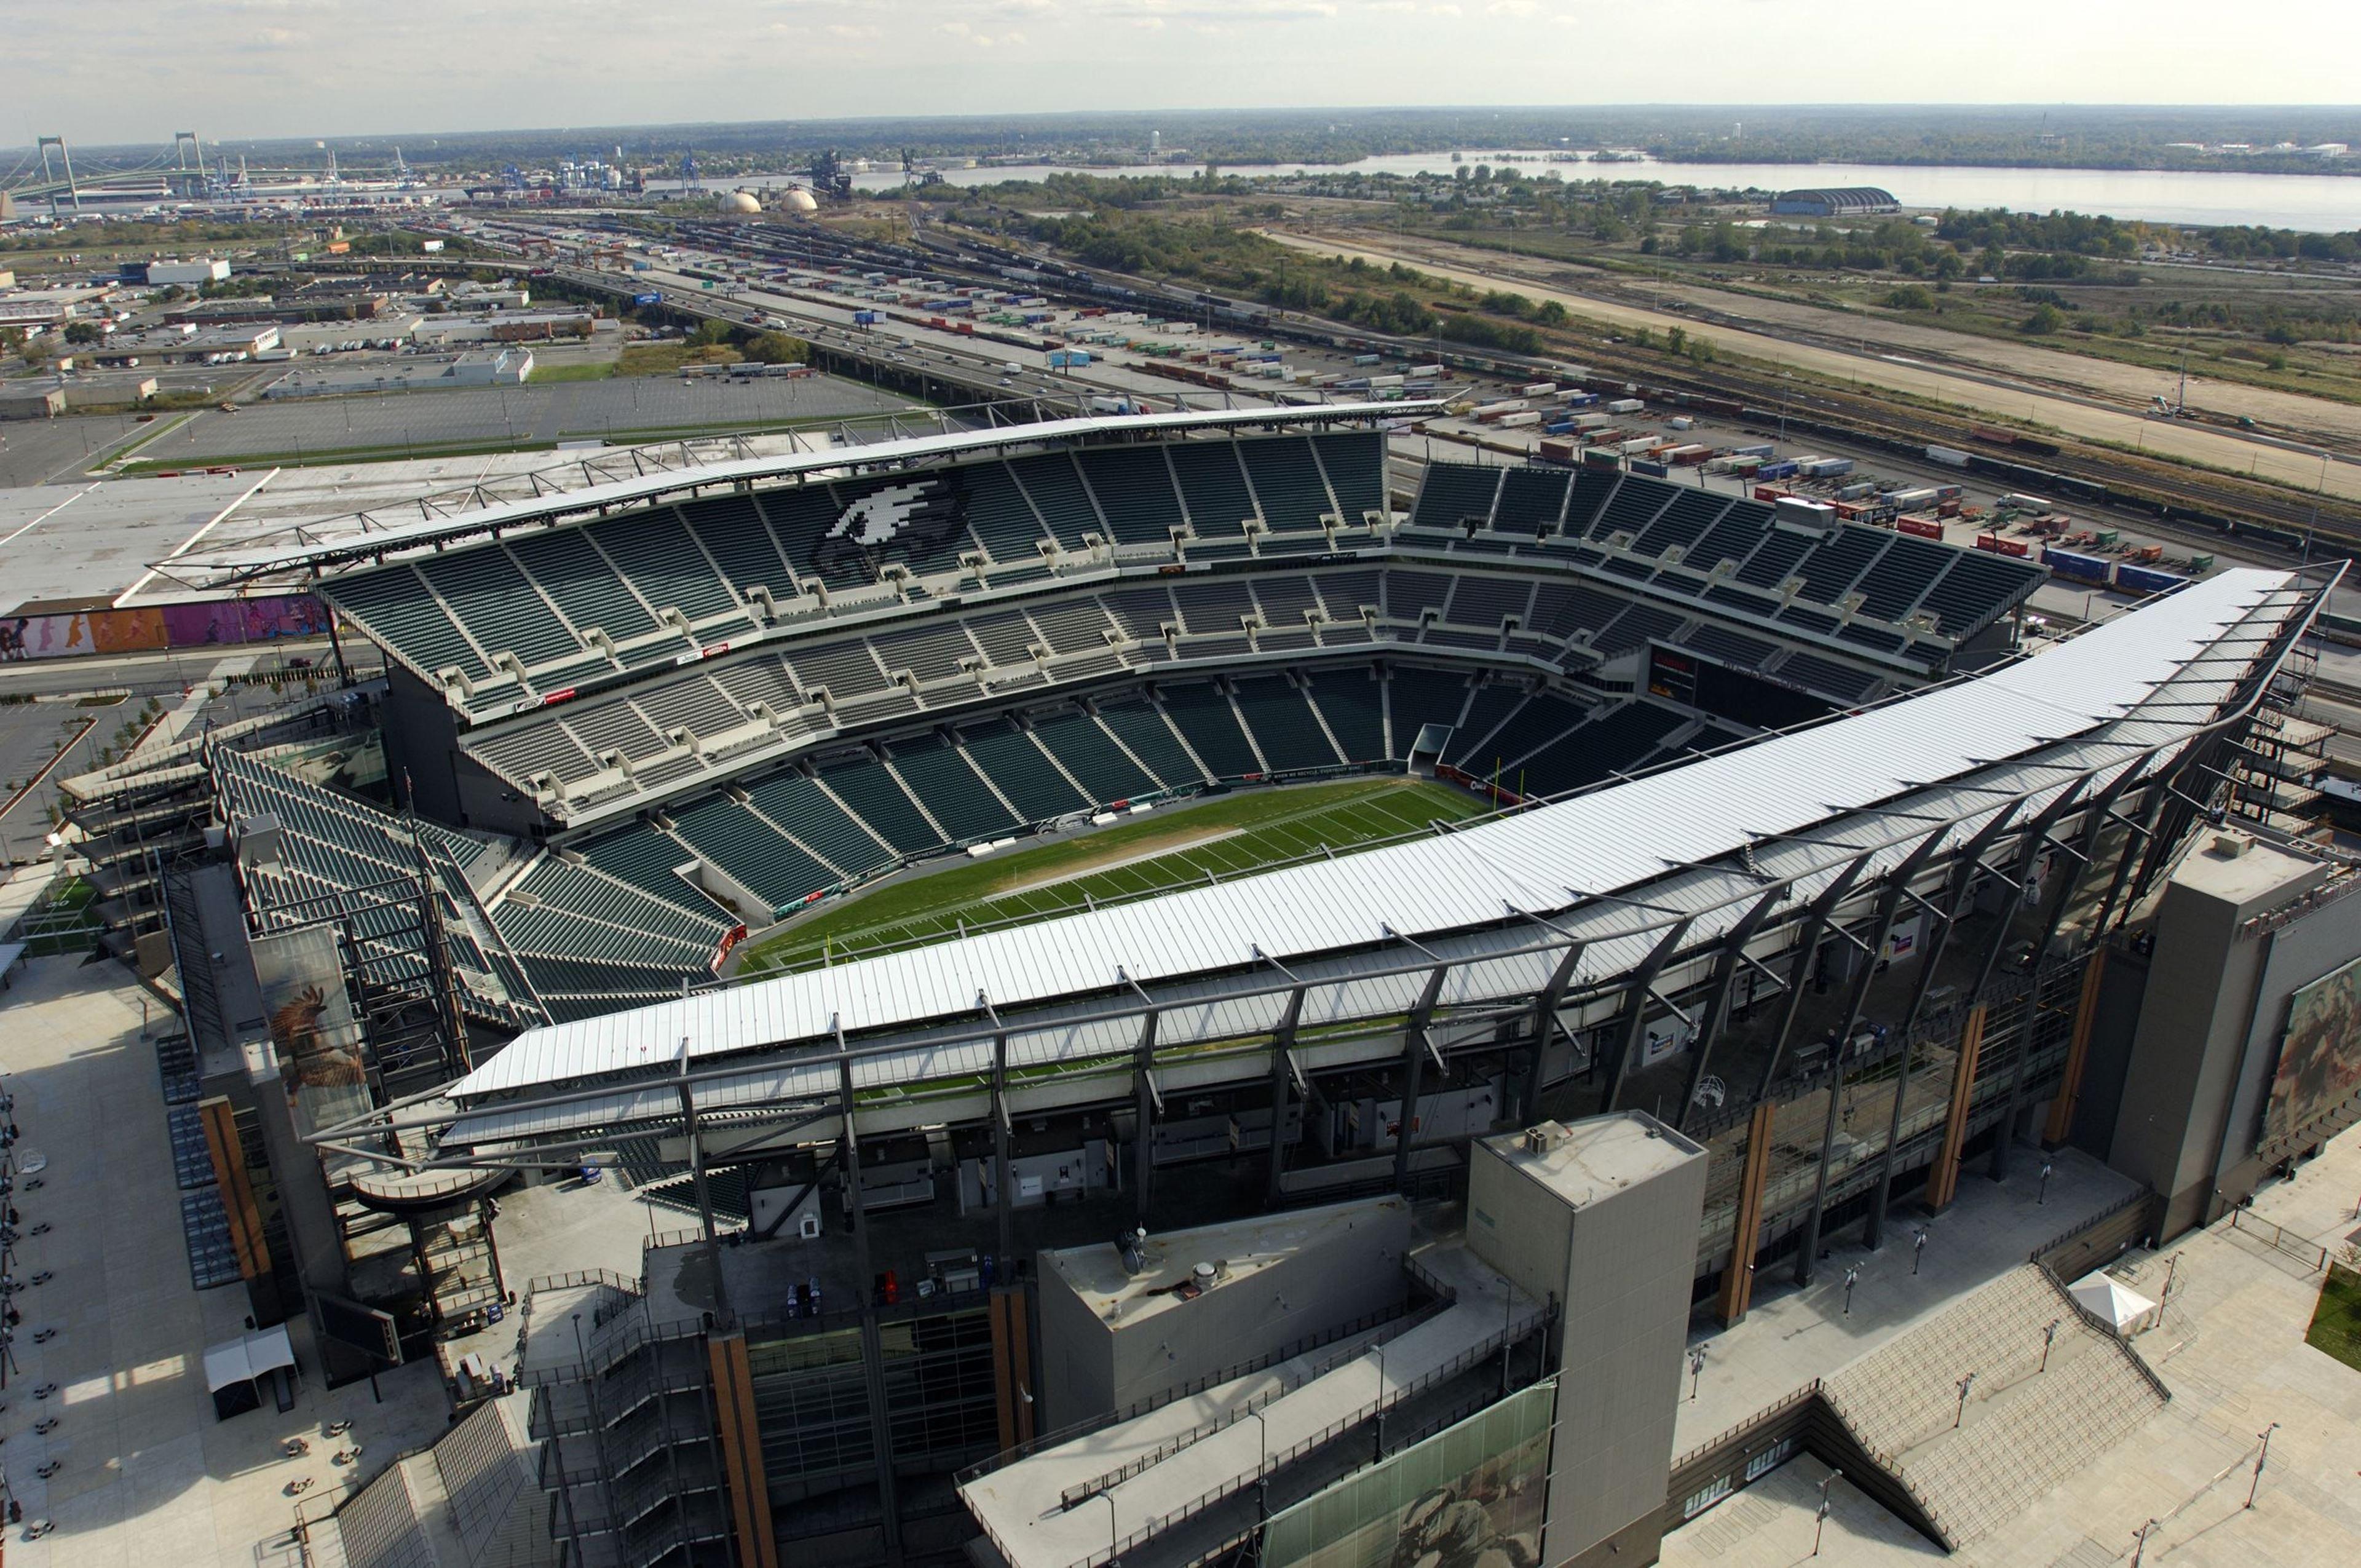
(1227, 836)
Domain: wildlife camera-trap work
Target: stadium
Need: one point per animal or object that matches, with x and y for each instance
(944, 866)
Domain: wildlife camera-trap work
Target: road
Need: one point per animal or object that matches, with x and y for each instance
(2296, 469)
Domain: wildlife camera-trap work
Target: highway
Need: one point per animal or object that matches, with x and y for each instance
(2298, 470)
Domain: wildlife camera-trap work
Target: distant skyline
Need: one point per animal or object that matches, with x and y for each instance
(256, 68)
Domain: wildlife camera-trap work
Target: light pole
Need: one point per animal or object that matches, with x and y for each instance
(2163, 1298)
(1821, 1519)
(2048, 1338)
(1696, 1371)
(1918, 1249)
(1852, 1276)
(2265, 1453)
(1961, 1413)
(1262, 1471)
(2045, 1169)
(2141, 1534)
(1111, 1526)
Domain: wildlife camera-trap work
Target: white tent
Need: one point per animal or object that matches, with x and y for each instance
(234, 1366)
(2110, 1300)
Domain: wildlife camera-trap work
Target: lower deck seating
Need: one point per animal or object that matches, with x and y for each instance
(874, 795)
(1020, 769)
(1353, 705)
(1615, 742)
(953, 792)
(1286, 729)
(1205, 720)
(1148, 735)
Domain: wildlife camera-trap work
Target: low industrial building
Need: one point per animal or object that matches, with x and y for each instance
(1835, 202)
(187, 274)
(43, 403)
(129, 349)
(303, 337)
(487, 367)
(505, 326)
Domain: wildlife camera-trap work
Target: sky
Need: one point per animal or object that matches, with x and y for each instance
(244, 69)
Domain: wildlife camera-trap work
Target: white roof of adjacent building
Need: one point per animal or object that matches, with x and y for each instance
(1541, 861)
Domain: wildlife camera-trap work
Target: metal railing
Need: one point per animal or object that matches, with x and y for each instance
(1479, 1352)
(2279, 1239)
(1198, 1385)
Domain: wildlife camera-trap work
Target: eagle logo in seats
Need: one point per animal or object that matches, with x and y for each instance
(915, 518)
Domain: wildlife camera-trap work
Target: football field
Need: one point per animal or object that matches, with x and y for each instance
(1186, 845)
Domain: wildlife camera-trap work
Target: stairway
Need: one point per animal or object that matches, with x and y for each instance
(2023, 1428)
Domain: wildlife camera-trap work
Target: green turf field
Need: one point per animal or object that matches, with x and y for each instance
(1175, 848)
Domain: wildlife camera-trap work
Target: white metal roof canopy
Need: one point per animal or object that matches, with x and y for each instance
(309, 545)
(1541, 861)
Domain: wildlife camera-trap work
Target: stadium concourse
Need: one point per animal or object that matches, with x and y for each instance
(687, 705)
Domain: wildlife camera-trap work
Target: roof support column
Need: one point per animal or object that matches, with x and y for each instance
(1551, 997)
(1145, 1103)
(1717, 1006)
(1282, 1066)
(1889, 910)
(2069, 879)
(1746, 1230)
(704, 1197)
(1946, 916)
(873, 1348)
(1634, 1017)
(1005, 1182)
(1799, 968)
(1415, 1046)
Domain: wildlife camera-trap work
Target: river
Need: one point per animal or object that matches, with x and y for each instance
(2324, 202)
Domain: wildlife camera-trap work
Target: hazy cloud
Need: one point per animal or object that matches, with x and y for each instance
(237, 69)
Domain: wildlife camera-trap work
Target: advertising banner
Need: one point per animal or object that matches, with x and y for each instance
(2320, 1061)
(1469, 1496)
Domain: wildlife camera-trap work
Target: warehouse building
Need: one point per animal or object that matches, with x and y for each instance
(1835, 202)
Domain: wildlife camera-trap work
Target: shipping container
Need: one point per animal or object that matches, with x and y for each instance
(1924, 527)
(1785, 468)
(1827, 468)
(1590, 421)
(1519, 420)
(1649, 467)
(1680, 421)
(1918, 497)
(1855, 491)
(1598, 457)
(1999, 546)
(1555, 452)
(2093, 569)
(2019, 502)
(1489, 412)
(1638, 443)
(1579, 399)
(1626, 406)
(1537, 389)
(2146, 579)
(1689, 457)
(1367, 358)
(1760, 449)
(1423, 370)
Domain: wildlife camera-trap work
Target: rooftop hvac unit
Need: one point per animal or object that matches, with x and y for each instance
(261, 841)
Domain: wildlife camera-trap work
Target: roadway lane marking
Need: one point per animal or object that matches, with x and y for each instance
(190, 544)
(48, 514)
